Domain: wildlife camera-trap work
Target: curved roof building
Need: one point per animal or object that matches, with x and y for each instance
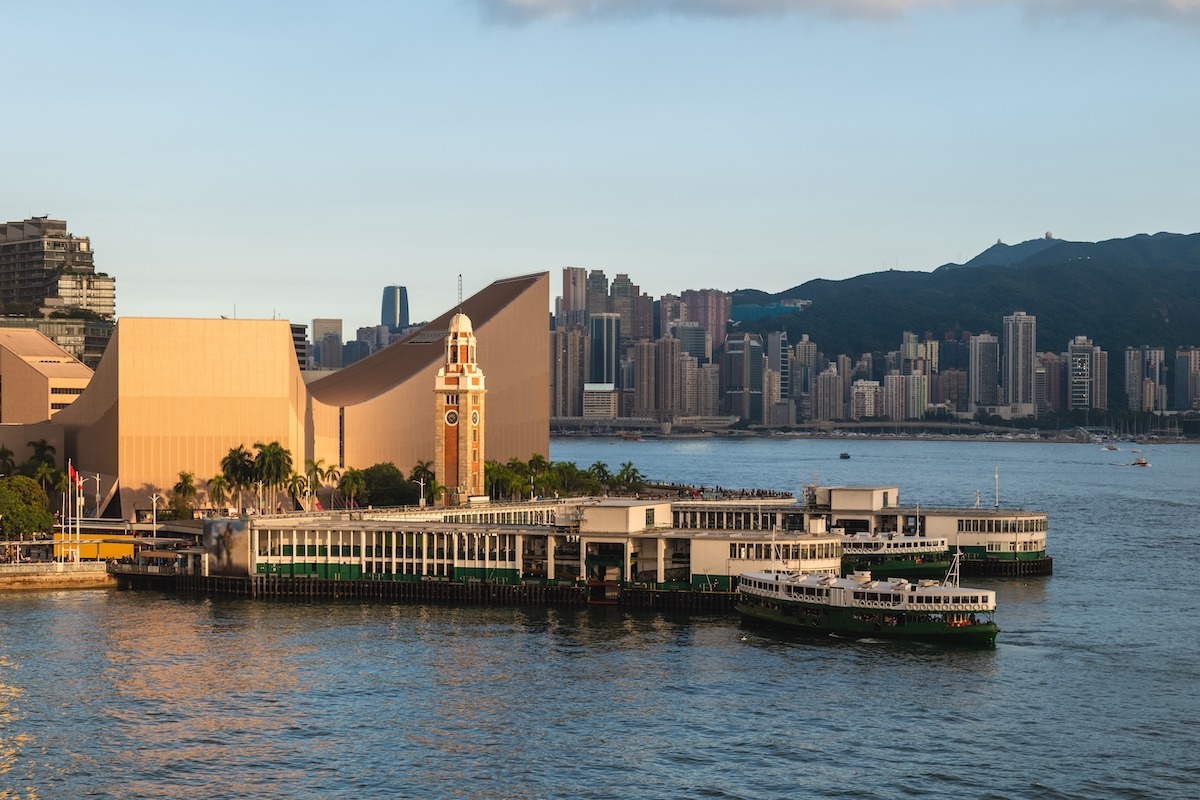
(178, 394)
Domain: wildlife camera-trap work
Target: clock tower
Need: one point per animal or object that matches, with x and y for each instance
(458, 420)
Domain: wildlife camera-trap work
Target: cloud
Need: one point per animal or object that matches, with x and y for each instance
(529, 10)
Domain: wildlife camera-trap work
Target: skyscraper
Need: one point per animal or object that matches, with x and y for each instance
(742, 376)
(1087, 375)
(1144, 378)
(983, 379)
(574, 307)
(395, 308)
(42, 267)
(604, 352)
(711, 308)
(1020, 362)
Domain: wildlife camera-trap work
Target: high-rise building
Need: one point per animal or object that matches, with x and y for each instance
(1145, 373)
(574, 296)
(671, 312)
(779, 359)
(694, 340)
(742, 376)
(983, 380)
(300, 343)
(597, 293)
(43, 268)
(1053, 380)
(643, 378)
(1020, 363)
(711, 308)
(827, 395)
(604, 349)
(1187, 378)
(1087, 375)
(864, 400)
(895, 396)
(568, 370)
(327, 343)
(668, 378)
(395, 308)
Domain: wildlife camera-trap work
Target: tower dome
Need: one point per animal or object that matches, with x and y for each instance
(460, 323)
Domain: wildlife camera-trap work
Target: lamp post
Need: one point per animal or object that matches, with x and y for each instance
(95, 478)
(154, 515)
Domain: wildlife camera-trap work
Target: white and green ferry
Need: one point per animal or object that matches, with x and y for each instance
(895, 555)
(859, 607)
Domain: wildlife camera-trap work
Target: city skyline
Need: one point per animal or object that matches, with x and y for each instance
(291, 165)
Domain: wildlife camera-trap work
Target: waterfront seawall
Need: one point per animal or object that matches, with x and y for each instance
(55, 575)
(447, 592)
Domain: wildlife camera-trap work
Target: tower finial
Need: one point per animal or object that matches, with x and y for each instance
(460, 291)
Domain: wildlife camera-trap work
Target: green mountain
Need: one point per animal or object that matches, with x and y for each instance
(1143, 290)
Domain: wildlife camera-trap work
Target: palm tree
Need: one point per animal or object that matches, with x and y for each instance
(316, 474)
(185, 489)
(353, 482)
(629, 477)
(44, 474)
(297, 488)
(600, 472)
(7, 464)
(238, 469)
(272, 465)
(434, 491)
(538, 465)
(43, 451)
(218, 490)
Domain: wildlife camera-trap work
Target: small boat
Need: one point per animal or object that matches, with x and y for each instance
(1110, 447)
(844, 455)
(1140, 462)
(896, 555)
(860, 607)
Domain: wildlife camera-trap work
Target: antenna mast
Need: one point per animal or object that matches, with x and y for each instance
(460, 291)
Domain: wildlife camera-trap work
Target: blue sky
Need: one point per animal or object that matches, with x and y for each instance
(292, 158)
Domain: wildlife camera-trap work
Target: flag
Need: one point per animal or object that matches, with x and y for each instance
(75, 476)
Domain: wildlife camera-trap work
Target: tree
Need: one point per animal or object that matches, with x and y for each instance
(185, 490)
(24, 507)
(297, 488)
(630, 478)
(386, 486)
(316, 473)
(537, 467)
(8, 466)
(352, 483)
(218, 490)
(44, 473)
(43, 451)
(599, 470)
(272, 466)
(238, 468)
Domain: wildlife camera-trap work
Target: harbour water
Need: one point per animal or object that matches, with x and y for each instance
(1090, 691)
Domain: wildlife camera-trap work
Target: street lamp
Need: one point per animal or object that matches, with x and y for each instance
(95, 478)
(154, 514)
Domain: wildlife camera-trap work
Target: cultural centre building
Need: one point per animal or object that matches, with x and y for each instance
(178, 394)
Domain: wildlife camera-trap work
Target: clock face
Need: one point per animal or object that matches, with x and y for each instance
(452, 417)
(474, 417)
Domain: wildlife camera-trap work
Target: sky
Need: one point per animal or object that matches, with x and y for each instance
(290, 159)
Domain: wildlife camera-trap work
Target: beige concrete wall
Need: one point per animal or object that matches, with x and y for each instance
(25, 393)
(514, 355)
(178, 394)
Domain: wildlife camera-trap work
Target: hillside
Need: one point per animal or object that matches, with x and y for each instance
(1140, 290)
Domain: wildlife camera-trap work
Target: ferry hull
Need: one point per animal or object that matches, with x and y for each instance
(863, 625)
